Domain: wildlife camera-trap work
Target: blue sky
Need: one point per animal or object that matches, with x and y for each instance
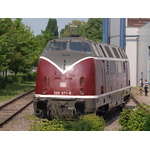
(38, 24)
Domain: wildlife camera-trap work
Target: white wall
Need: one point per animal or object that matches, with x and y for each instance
(114, 31)
(136, 48)
(144, 42)
(130, 47)
(131, 51)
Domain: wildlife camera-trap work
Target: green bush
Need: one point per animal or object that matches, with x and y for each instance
(19, 80)
(135, 120)
(54, 125)
(89, 122)
(28, 77)
(31, 76)
(146, 125)
(24, 77)
(2, 82)
(124, 118)
(10, 79)
(14, 79)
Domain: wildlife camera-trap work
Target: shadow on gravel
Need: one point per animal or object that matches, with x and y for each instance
(129, 107)
(112, 115)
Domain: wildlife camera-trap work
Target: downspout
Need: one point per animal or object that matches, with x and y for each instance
(105, 30)
(137, 62)
(122, 32)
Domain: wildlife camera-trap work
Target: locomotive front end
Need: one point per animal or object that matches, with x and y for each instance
(65, 80)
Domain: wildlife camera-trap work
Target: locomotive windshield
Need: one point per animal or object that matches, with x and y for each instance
(80, 47)
(74, 46)
(55, 46)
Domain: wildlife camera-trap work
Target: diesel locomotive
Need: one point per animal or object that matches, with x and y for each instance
(77, 76)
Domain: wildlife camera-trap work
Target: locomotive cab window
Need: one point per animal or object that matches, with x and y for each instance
(87, 47)
(80, 47)
(55, 46)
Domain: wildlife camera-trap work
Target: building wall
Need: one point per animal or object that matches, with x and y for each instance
(130, 45)
(131, 51)
(137, 45)
(143, 52)
(114, 31)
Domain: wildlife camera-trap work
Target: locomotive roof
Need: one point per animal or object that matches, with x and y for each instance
(98, 49)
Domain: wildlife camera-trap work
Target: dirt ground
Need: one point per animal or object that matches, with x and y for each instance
(141, 96)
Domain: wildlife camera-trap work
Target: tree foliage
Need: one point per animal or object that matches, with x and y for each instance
(19, 47)
(51, 32)
(92, 29)
(74, 28)
(5, 50)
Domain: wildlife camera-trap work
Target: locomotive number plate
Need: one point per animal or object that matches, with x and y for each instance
(62, 93)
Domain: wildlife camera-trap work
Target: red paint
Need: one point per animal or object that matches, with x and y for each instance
(51, 81)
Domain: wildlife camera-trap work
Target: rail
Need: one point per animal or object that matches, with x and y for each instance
(13, 107)
(135, 100)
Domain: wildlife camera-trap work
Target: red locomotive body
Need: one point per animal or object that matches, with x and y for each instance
(53, 81)
(77, 76)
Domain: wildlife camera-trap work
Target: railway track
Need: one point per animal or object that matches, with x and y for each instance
(134, 99)
(13, 107)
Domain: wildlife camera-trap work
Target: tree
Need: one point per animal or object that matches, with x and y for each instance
(51, 31)
(93, 29)
(25, 48)
(19, 48)
(73, 28)
(6, 29)
(52, 27)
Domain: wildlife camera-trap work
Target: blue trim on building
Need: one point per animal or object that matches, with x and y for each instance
(122, 32)
(132, 35)
(105, 30)
(106, 34)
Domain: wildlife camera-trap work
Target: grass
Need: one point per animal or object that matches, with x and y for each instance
(32, 117)
(14, 89)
